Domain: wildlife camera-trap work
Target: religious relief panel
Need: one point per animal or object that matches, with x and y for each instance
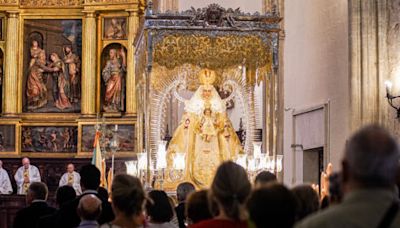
(125, 136)
(109, 1)
(52, 66)
(49, 139)
(51, 3)
(113, 72)
(7, 138)
(115, 28)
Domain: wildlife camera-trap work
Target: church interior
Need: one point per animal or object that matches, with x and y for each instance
(168, 90)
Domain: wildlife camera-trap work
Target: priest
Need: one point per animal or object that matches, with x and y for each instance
(72, 179)
(25, 175)
(5, 183)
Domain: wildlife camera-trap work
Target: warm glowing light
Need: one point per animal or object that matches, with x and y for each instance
(257, 149)
(142, 161)
(179, 161)
(242, 160)
(279, 164)
(161, 155)
(131, 167)
(388, 84)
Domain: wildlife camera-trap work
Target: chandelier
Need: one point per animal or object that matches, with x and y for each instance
(158, 172)
(258, 162)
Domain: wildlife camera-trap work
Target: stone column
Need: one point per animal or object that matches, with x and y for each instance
(88, 103)
(11, 66)
(133, 23)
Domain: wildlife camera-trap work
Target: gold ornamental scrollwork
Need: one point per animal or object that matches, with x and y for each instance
(212, 52)
(50, 3)
(96, 2)
(9, 2)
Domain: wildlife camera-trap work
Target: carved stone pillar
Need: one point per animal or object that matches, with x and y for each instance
(88, 107)
(11, 66)
(133, 23)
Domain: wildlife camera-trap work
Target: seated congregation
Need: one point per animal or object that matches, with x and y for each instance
(363, 194)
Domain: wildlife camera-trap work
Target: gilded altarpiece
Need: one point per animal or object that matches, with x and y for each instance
(52, 57)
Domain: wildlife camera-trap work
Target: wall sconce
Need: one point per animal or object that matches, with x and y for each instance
(391, 98)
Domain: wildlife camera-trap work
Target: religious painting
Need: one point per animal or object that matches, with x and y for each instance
(113, 72)
(7, 138)
(125, 136)
(115, 28)
(59, 139)
(52, 66)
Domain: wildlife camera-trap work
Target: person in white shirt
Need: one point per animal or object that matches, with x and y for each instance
(25, 175)
(5, 183)
(71, 178)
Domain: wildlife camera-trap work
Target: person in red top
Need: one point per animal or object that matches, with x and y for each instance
(230, 190)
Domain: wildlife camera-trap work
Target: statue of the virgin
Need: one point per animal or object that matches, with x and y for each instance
(205, 134)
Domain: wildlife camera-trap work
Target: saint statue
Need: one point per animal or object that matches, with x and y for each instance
(36, 91)
(205, 134)
(113, 76)
(72, 68)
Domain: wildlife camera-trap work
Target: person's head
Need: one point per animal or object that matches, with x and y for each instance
(371, 159)
(197, 207)
(90, 177)
(307, 200)
(273, 206)
(67, 49)
(70, 168)
(159, 208)
(183, 190)
(335, 188)
(103, 193)
(36, 191)
(206, 92)
(26, 162)
(54, 57)
(89, 207)
(113, 53)
(230, 190)
(264, 178)
(65, 194)
(128, 198)
(35, 44)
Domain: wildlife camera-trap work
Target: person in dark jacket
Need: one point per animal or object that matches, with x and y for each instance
(36, 199)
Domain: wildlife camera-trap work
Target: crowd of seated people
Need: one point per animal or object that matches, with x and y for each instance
(362, 194)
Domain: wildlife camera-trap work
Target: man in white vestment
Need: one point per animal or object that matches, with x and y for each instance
(25, 175)
(5, 183)
(72, 179)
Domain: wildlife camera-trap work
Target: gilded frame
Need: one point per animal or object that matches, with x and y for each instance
(17, 129)
(101, 44)
(46, 154)
(62, 14)
(108, 122)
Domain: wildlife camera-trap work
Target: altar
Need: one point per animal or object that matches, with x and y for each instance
(208, 87)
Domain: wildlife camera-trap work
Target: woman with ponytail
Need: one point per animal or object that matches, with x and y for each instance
(128, 198)
(229, 190)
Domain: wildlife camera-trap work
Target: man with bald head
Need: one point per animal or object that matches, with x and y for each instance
(89, 210)
(5, 184)
(72, 179)
(25, 175)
